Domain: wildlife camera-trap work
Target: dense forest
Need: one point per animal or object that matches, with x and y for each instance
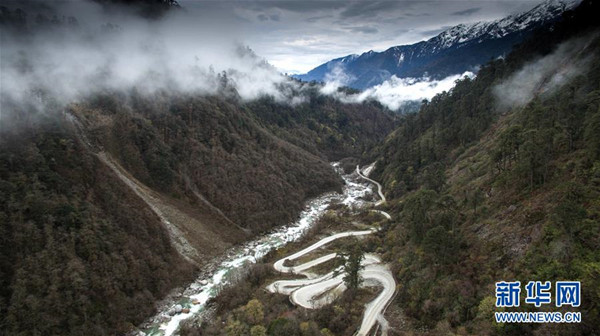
(109, 202)
(257, 161)
(482, 190)
(80, 253)
(207, 158)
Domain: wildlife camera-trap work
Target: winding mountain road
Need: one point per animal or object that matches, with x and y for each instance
(376, 308)
(281, 268)
(316, 291)
(379, 190)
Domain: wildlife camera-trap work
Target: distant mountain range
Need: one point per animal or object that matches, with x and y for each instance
(461, 48)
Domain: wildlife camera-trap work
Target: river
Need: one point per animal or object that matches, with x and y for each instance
(207, 285)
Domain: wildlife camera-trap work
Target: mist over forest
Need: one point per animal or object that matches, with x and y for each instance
(64, 51)
(162, 173)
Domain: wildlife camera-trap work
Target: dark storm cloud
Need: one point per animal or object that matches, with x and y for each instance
(467, 12)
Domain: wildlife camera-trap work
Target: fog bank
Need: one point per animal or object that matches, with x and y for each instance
(543, 75)
(82, 48)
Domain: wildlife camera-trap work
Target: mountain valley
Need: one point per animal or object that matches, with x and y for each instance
(150, 189)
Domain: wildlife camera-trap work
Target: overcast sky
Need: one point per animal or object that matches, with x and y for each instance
(296, 36)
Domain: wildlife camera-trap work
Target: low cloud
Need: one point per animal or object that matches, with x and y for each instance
(393, 93)
(335, 79)
(74, 58)
(68, 59)
(543, 75)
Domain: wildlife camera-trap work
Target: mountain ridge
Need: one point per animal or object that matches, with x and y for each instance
(461, 48)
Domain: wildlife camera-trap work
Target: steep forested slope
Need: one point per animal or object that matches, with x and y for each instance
(487, 190)
(323, 125)
(235, 154)
(80, 253)
(87, 252)
(113, 196)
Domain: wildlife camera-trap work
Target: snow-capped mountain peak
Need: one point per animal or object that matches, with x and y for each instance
(462, 33)
(461, 48)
